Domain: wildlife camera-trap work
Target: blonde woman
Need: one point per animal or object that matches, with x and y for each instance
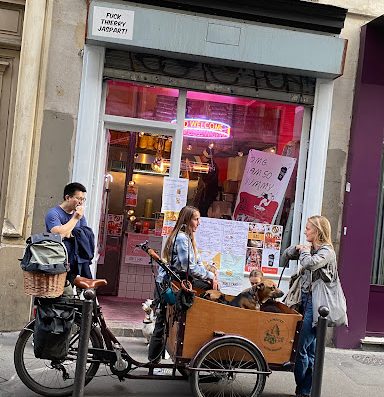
(180, 252)
(255, 276)
(317, 260)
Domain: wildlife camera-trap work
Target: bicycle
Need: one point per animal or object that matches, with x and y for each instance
(215, 346)
(56, 378)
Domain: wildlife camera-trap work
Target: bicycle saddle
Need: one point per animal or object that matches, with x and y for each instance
(87, 283)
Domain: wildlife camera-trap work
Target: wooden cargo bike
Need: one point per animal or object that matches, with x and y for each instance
(230, 351)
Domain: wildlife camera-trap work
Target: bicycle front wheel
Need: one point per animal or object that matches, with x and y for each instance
(49, 378)
(227, 368)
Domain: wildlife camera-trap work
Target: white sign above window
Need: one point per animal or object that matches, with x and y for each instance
(112, 23)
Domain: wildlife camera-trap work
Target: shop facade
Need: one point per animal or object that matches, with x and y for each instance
(66, 139)
(143, 86)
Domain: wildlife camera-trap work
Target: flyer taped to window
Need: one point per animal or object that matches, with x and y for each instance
(175, 191)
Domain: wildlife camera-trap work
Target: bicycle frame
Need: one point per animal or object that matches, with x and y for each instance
(110, 340)
(108, 355)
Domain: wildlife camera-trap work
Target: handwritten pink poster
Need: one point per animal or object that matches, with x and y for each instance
(265, 180)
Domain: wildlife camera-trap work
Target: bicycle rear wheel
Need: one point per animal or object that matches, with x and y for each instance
(48, 378)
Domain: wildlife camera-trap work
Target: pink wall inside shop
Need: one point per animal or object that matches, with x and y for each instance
(136, 282)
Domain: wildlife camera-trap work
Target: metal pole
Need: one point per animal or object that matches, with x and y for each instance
(82, 352)
(320, 351)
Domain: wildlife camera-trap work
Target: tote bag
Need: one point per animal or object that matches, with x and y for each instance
(330, 294)
(293, 297)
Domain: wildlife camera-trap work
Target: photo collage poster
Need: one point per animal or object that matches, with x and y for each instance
(263, 248)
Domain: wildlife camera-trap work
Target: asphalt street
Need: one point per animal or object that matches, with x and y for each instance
(347, 373)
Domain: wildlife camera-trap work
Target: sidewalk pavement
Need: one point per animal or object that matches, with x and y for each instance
(347, 373)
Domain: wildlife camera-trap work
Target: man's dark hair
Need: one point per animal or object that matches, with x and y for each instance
(73, 187)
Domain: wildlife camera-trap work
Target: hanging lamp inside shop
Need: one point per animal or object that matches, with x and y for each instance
(158, 162)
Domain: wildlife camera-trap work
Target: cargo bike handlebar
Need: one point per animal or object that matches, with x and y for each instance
(185, 284)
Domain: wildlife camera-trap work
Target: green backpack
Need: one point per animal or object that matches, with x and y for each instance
(45, 253)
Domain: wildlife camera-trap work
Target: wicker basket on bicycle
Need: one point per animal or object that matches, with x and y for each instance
(45, 265)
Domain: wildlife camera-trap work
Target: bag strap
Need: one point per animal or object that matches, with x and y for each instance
(188, 256)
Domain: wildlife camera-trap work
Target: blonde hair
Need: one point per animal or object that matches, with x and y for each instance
(256, 273)
(183, 222)
(323, 229)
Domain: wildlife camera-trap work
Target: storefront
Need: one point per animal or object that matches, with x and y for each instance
(200, 101)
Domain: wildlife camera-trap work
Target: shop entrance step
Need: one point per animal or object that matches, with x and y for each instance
(372, 343)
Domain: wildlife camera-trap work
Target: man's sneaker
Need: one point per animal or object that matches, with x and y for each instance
(162, 371)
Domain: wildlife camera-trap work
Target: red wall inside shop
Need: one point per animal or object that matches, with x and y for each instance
(287, 123)
(222, 165)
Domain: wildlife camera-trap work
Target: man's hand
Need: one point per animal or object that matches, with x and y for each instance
(79, 212)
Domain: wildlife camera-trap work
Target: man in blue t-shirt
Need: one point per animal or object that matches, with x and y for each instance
(66, 217)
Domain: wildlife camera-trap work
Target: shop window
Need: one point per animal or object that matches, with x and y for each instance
(221, 134)
(226, 129)
(141, 101)
(142, 163)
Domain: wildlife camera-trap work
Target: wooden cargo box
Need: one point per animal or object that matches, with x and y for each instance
(273, 333)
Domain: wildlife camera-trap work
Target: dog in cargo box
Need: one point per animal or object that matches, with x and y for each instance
(253, 298)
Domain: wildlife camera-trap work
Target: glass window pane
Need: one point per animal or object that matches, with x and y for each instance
(141, 101)
(231, 127)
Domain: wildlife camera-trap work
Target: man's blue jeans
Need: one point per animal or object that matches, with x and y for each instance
(305, 357)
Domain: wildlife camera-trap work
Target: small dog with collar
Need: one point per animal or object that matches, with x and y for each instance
(149, 320)
(251, 298)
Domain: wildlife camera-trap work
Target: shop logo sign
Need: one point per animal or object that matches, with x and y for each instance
(275, 335)
(113, 23)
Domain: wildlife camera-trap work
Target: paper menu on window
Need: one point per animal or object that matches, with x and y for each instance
(224, 243)
(175, 191)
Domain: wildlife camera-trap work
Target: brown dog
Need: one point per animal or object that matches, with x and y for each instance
(214, 295)
(252, 298)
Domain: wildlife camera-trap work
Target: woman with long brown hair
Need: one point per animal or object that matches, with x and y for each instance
(317, 260)
(180, 252)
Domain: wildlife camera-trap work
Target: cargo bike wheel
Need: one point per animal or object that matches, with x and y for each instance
(228, 366)
(50, 378)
